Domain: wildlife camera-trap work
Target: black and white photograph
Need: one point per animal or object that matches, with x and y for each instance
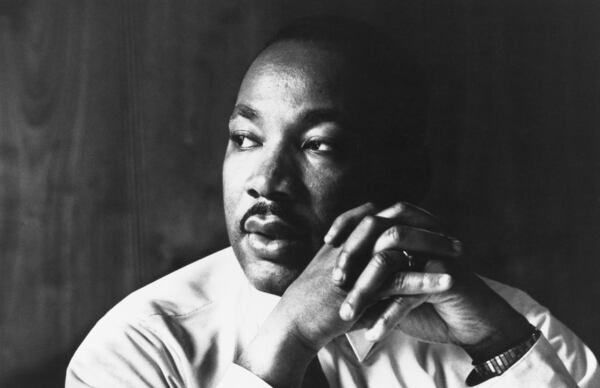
(299, 193)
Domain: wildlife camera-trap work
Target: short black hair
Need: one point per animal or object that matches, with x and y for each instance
(393, 94)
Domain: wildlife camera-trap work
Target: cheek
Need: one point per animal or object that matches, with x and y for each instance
(333, 192)
(233, 188)
(234, 172)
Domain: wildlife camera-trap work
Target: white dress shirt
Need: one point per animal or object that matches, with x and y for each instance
(185, 330)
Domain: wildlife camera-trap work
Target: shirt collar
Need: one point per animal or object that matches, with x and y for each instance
(359, 344)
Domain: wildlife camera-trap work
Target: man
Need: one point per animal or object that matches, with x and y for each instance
(330, 264)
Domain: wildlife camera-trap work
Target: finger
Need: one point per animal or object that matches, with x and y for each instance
(346, 222)
(369, 282)
(398, 308)
(357, 248)
(362, 237)
(403, 212)
(409, 214)
(415, 283)
(367, 288)
(440, 266)
(403, 237)
(393, 211)
(369, 317)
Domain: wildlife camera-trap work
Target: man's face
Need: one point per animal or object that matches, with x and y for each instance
(291, 161)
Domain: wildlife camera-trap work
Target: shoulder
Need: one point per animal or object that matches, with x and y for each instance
(151, 330)
(191, 288)
(193, 296)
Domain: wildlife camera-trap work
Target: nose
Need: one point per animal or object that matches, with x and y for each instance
(275, 175)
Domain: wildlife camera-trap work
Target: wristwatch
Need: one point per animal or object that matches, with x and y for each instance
(497, 365)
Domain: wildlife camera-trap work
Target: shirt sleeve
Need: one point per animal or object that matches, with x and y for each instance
(539, 367)
(123, 355)
(558, 359)
(141, 354)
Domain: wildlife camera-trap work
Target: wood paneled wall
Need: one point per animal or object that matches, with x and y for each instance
(112, 132)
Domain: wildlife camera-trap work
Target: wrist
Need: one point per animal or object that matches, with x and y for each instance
(277, 355)
(500, 340)
(500, 363)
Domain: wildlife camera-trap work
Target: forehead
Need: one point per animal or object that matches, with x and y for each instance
(295, 74)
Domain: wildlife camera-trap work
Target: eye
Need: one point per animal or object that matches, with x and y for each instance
(319, 145)
(243, 141)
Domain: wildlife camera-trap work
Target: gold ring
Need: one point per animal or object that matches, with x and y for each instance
(409, 258)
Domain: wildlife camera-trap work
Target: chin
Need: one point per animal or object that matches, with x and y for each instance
(273, 275)
(272, 278)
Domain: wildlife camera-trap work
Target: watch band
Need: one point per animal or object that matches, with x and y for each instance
(497, 365)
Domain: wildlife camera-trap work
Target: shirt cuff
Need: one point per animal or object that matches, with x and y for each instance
(237, 376)
(539, 367)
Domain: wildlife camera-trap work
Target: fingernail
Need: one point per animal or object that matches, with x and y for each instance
(338, 275)
(375, 333)
(444, 281)
(328, 237)
(346, 312)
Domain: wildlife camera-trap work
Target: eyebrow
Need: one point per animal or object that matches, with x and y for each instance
(309, 118)
(320, 115)
(244, 111)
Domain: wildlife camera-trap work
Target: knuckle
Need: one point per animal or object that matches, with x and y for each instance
(344, 253)
(396, 233)
(409, 282)
(419, 282)
(383, 259)
(339, 221)
(370, 206)
(400, 281)
(368, 221)
(344, 258)
(391, 233)
(386, 319)
(399, 207)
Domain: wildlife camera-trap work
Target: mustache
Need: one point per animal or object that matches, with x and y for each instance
(276, 209)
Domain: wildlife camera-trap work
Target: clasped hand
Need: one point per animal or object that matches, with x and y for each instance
(396, 268)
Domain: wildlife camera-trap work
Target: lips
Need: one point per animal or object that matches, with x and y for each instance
(272, 227)
(271, 237)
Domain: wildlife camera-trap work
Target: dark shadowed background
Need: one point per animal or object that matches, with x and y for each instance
(113, 126)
